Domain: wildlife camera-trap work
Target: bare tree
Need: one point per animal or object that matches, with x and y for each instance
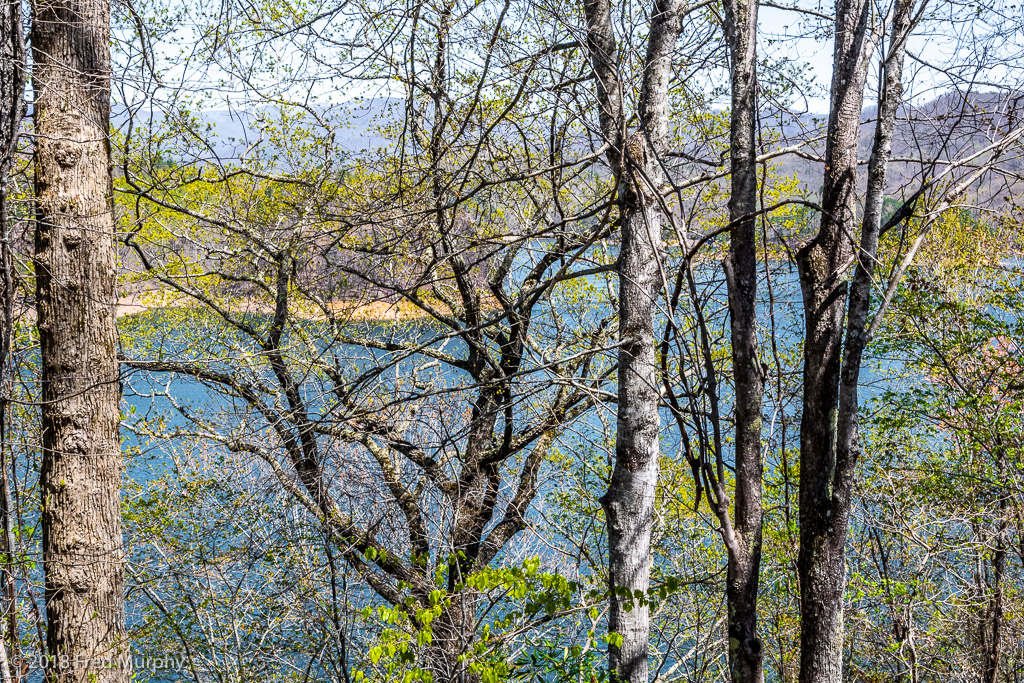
(415, 434)
(12, 110)
(743, 538)
(636, 158)
(829, 445)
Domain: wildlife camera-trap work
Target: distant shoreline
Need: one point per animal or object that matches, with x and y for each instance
(376, 311)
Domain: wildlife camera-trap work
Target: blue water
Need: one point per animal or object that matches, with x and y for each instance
(234, 522)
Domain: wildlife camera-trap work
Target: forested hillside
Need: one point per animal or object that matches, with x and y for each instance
(508, 341)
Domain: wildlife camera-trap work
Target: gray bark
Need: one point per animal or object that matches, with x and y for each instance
(744, 543)
(992, 624)
(603, 51)
(12, 84)
(75, 264)
(629, 501)
(995, 612)
(12, 109)
(829, 438)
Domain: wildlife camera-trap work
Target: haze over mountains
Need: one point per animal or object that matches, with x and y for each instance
(228, 134)
(947, 128)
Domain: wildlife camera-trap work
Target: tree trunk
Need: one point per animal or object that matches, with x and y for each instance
(453, 634)
(829, 433)
(75, 265)
(12, 84)
(12, 109)
(629, 502)
(992, 624)
(744, 557)
(821, 561)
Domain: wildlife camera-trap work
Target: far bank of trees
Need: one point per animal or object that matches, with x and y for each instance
(513, 341)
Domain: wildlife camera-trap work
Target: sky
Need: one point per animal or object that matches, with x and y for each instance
(798, 37)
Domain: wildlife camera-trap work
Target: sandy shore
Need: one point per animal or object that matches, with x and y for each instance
(144, 302)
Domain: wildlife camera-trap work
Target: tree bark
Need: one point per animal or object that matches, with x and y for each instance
(629, 501)
(453, 632)
(12, 84)
(992, 624)
(12, 110)
(829, 435)
(75, 264)
(744, 549)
